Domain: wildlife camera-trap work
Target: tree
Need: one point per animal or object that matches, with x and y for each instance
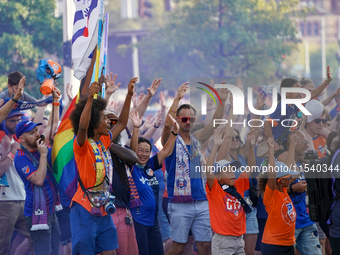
(29, 31)
(221, 38)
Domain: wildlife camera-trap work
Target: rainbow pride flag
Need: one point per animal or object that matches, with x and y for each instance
(64, 165)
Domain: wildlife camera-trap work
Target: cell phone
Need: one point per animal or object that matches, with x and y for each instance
(42, 138)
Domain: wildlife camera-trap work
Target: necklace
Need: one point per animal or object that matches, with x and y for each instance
(191, 157)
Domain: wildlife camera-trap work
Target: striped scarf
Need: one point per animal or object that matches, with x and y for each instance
(134, 196)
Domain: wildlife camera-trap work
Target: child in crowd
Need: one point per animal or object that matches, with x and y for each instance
(278, 237)
(226, 199)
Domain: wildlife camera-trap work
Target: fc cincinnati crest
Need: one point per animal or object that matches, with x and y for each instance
(26, 170)
(181, 183)
(149, 172)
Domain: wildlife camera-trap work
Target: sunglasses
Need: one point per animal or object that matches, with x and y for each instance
(235, 138)
(185, 119)
(113, 122)
(317, 121)
(289, 177)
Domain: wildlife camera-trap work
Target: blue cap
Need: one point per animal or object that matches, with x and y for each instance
(12, 114)
(25, 126)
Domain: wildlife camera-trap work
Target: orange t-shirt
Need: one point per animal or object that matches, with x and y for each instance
(85, 159)
(280, 225)
(320, 145)
(227, 216)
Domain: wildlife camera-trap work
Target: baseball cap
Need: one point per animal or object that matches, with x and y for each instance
(283, 170)
(25, 126)
(315, 108)
(225, 163)
(12, 114)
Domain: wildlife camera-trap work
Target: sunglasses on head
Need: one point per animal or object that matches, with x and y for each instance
(185, 119)
(235, 138)
(317, 121)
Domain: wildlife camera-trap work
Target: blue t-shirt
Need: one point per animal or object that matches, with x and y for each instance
(197, 191)
(299, 201)
(25, 169)
(147, 187)
(159, 174)
(277, 118)
(334, 111)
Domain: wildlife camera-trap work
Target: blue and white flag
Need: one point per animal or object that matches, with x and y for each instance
(85, 34)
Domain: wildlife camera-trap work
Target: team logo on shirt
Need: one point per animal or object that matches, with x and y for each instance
(288, 212)
(26, 170)
(149, 172)
(232, 205)
(181, 183)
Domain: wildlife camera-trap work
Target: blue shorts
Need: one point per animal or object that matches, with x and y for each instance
(91, 234)
(186, 216)
(64, 225)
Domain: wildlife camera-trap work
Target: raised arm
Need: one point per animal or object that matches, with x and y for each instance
(316, 92)
(251, 138)
(86, 114)
(204, 134)
(143, 105)
(5, 110)
(137, 122)
(172, 112)
(218, 138)
(169, 145)
(111, 86)
(39, 175)
(331, 97)
(124, 115)
(271, 164)
(53, 120)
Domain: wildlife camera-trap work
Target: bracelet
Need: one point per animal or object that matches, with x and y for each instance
(172, 110)
(56, 104)
(10, 156)
(175, 134)
(155, 126)
(15, 100)
(137, 126)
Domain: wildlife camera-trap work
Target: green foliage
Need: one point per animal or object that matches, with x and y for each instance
(28, 32)
(221, 38)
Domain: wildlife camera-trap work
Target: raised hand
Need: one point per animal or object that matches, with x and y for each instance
(223, 92)
(260, 100)
(154, 86)
(140, 98)
(147, 122)
(42, 147)
(21, 86)
(271, 143)
(131, 86)
(162, 100)
(134, 116)
(69, 91)
(219, 135)
(181, 90)
(111, 86)
(251, 136)
(158, 119)
(294, 139)
(174, 124)
(94, 89)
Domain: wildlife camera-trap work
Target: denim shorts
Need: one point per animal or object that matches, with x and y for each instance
(307, 240)
(186, 216)
(45, 241)
(91, 234)
(252, 226)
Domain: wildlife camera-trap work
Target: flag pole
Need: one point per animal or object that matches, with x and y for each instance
(100, 32)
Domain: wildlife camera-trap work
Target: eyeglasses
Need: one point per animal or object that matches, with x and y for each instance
(185, 119)
(235, 138)
(317, 121)
(14, 121)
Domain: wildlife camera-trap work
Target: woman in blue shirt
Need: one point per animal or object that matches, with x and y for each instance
(149, 239)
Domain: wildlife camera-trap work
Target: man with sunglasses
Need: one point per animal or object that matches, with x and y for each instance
(188, 206)
(315, 124)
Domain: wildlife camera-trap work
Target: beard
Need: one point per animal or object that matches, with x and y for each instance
(32, 144)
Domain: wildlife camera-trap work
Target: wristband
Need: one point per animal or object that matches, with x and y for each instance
(173, 111)
(10, 156)
(137, 126)
(175, 134)
(56, 104)
(155, 126)
(15, 100)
